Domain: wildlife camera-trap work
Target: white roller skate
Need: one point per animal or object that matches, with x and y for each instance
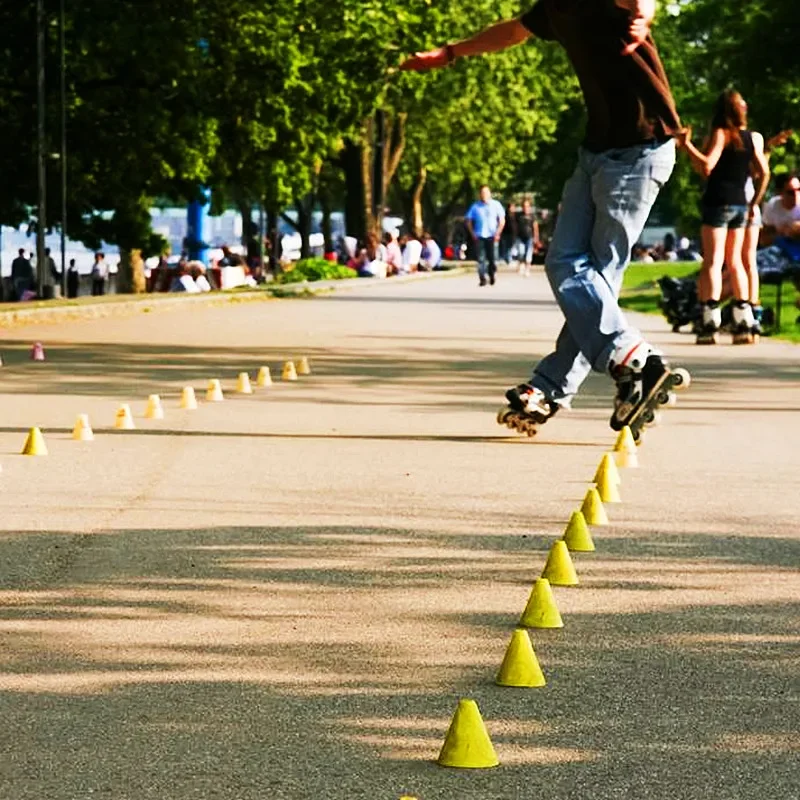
(710, 323)
(644, 383)
(527, 410)
(743, 323)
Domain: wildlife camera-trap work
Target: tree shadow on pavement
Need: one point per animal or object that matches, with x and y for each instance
(316, 661)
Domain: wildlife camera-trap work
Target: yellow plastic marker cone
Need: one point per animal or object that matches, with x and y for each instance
(264, 377)
(541, 611)
(188, 399)
(34, 444)
(289, 372)
(626, 460)
(214, 392)
(577, 536)
(243, 384)
(520, 667)
(124, 419)
(467, 744)
(608, 467)
(82, 432)
(303, 367)
(608, 491)
(593, 510)
(625, 441)
(559, 569)
(154, 409)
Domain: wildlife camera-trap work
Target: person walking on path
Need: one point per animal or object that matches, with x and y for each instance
(527, 237)
(734, 153)
(485, 221)
(99, 275)
(628, 154)
(22, 275)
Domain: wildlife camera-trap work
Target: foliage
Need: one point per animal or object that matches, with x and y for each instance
(315, 269)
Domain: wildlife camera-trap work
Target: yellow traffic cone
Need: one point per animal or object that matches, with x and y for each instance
(214, 392)
(264, 377)
(82, 432)
(124, 419)
(188, 399)
(520, 667)
(626, 460)
(467, 744)
(541, 611)
(34, 444)
(303, 367)
(608, 467)
(154, 409)
(625, 441)
(559, 569)
(593, 510)
(243, 384)
(577, 536)
(289, 372)
(608, 491)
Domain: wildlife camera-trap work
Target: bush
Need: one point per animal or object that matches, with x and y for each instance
(314, 269)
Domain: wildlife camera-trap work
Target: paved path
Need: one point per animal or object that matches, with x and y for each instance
(284, 595)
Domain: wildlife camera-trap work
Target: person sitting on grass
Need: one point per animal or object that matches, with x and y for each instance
(431, 253)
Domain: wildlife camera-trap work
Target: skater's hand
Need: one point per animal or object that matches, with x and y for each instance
(432, 59)
(638, 31)
(683, 137)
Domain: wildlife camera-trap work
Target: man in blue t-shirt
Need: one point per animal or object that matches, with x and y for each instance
(485, 222)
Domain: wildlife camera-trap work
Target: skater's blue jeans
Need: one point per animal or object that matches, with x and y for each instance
(487, 257)
(604, 209)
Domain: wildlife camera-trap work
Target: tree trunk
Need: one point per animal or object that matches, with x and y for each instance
(417, 223)
(303, 208)
(131, 272)
(367, 164)
(274, 239)
(327, 227)
(355, 222)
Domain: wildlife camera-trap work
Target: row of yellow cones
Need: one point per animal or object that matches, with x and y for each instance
(35, 444)
(467, 744)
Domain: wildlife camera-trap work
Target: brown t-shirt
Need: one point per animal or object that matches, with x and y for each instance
(627, 97)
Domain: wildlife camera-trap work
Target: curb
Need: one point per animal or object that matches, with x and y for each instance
(93, 310)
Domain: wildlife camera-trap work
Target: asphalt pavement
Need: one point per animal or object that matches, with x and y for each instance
(284, 595)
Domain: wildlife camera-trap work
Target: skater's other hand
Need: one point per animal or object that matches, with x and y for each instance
(432, 59)
(638, 31)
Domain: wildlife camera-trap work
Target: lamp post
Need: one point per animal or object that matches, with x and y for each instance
(41, 169)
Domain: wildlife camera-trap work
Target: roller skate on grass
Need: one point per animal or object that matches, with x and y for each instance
(644, 383)
(527, 410)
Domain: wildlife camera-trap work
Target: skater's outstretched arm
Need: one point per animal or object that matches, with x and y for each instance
(491, 40)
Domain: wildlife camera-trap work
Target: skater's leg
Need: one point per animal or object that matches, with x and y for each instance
(740, 285)
(749, 259)
(480, 246)
(623, 187)
(709, 284)
(492, 250)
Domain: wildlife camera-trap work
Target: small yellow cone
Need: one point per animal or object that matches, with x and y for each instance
(124, 419)
(303, 367)
(34, 444)
(82, 432)
(577, 536)
(154, 408)
(264, 377)
(559, 569)
(541, 611)
(608, 491)
(593, 510)
(625, 441)
(289, 372)
(188, 399)
(520, 667)
(608, 467)
(626, 460)
(467, 744)
(243, 384)
(214, 392)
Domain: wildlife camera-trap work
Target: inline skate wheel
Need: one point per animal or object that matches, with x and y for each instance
(663, 398)
(681, 378)
(673, 400)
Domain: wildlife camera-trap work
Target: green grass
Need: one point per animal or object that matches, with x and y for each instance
(640, 292)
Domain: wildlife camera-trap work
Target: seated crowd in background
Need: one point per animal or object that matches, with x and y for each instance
(393, 255)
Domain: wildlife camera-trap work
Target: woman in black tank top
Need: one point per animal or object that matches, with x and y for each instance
(733, 155)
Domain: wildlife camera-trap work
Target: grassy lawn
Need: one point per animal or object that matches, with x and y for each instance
(640, 292)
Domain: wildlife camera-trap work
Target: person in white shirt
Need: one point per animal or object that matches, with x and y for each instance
(431, 253)
(782, 213)
(412, 253)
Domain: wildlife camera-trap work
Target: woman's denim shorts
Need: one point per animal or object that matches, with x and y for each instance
(730, 217)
